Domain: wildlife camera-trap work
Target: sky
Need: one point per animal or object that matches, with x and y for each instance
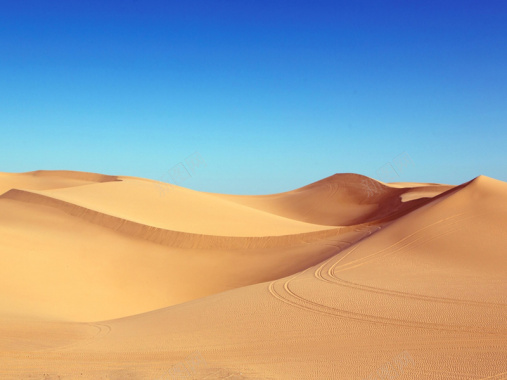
(255, 96)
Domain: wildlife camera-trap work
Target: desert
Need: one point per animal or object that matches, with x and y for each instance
(346, 278)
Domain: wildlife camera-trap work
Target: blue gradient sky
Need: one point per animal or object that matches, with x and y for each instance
(272, 94)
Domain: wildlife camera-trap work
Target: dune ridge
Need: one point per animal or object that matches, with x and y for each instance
(343, 200)
(72, 174)
(50, 179)
(175, 208)
(167, 237)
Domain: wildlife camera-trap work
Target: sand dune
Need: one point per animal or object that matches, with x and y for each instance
(343, 199)
(174, 208)
(104, 257)
(346, 278)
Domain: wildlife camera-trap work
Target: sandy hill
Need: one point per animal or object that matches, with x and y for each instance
(346, 278)
(344, 199)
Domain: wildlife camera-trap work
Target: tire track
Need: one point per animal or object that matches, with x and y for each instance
(330, 310)
(498, 376)
(361, 261)
(284, 293)
(331, 277)
(102, 331)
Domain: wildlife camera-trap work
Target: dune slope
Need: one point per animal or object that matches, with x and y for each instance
(122, 247)
(344, 199)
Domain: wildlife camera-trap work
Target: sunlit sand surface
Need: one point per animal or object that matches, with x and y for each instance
(113, 277)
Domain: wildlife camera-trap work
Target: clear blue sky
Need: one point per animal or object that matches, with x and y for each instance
(272, 94)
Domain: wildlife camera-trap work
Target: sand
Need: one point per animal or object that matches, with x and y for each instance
(114, 277)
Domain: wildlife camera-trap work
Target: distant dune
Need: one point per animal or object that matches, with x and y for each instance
(115, 277)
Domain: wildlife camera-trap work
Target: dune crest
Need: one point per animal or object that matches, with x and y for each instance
(70, 174)
(343, 199)
(50, 179)
(170, 238)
